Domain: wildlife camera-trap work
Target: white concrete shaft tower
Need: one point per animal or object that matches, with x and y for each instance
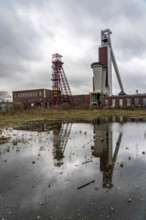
(102, 70)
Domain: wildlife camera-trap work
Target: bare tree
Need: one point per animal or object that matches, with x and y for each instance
(4, 96)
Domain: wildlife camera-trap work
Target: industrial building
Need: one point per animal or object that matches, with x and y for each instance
(135, 100)
(43, 98)
(101, 96)
(102, 71)
(33, 98)
(58, 95)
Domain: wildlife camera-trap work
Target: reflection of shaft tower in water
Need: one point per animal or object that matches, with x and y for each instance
(103, 148)
(108, 173)
(61, 132)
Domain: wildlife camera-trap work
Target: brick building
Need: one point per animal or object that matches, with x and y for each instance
(43, 98)
(81, 99)
(33, 98)
(135, 100)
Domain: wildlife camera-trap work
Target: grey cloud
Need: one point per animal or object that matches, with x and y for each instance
(23, 3)
(18, 38)
(30, 31)
(19, 45)
(86, 19)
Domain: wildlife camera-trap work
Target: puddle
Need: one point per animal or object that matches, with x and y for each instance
(74, 171)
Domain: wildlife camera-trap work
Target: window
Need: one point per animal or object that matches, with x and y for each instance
(128, 102)
(113, 102)
(106, 102)
(120, 102)
(44, 93)
(136, 101)
(144, 101)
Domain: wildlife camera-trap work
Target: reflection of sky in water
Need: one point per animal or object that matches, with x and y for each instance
(32, 184)
(133, 138)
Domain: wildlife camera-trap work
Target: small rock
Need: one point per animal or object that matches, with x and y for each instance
(111, 208)
(96, 188)
(121, 165)
(129, 200)
(92, 147)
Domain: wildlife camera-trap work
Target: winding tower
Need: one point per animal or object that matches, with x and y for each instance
(60, 85)
(102, 71)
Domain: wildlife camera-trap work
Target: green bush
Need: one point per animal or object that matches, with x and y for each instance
(17, 107)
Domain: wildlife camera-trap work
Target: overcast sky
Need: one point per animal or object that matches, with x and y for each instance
(32, 30)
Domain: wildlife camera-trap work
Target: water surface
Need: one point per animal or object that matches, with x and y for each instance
(46, 168)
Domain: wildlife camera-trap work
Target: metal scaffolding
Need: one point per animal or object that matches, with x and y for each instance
(60, 85)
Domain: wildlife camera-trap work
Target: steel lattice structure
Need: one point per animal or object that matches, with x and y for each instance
(60, 85)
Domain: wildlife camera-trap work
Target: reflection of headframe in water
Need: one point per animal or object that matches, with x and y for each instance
(103, 148)
(108, 173)
(61, 132)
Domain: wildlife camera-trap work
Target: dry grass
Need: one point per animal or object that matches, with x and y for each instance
(3, 139)
(64, 115)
